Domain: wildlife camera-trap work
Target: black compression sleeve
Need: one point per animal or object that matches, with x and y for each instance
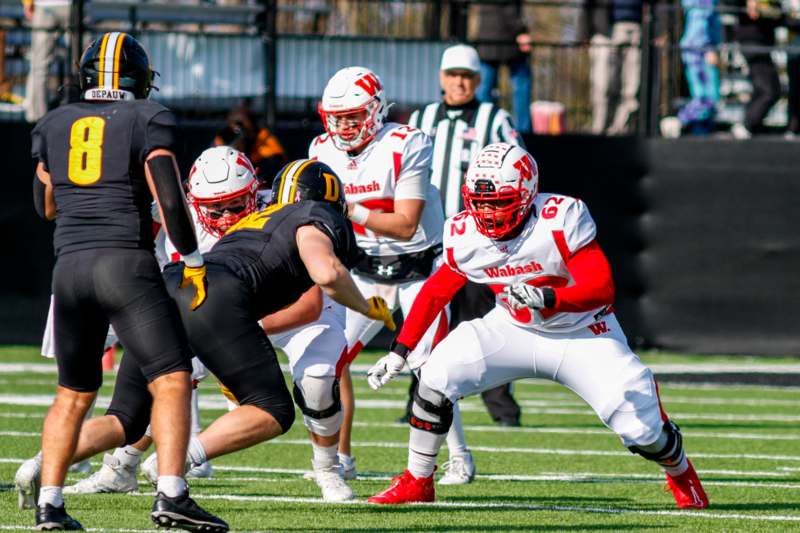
(173, 204)
(38, 197)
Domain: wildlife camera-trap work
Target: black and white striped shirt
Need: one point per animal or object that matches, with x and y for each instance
(459, 133)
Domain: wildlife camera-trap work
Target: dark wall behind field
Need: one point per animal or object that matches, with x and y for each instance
(702, 235)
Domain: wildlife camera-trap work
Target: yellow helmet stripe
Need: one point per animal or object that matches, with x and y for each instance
(297, 175)
(102, 67)
(282, 181)
(117, 54)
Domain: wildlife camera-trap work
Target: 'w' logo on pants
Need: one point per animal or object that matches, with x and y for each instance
(598, 328)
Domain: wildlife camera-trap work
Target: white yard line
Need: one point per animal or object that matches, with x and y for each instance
(219, 402)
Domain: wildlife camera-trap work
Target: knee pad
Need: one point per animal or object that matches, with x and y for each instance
(135, 427)
(431, 410)
(668, 447)
(318, 400)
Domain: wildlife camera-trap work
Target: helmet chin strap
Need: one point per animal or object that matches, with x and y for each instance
(106, 94)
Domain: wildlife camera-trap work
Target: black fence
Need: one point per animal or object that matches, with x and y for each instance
(279, 53)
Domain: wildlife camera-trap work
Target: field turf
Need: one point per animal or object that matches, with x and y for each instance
(563, 470)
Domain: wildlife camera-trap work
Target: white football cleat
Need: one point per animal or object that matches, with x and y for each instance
(150, 469)
(113, 476)
(82, 467)
(27, 481)
(330, 481)
(459, 470)
(204, 470)
(348, 466)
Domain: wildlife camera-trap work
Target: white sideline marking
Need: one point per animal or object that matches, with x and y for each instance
(547, 430)
(583, 431)
(45, 400)
(519, 506)
(120, 530)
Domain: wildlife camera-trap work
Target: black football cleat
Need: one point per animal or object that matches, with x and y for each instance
(49, 518)
(183, 513)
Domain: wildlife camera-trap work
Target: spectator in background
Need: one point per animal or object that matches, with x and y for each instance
(259, 144)
(701, 36)
(616, 64)
(49, 20)
(792, 12)
(498, 23)
(758, 20)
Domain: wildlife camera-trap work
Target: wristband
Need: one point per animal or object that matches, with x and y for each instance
(194, 259)
(400, 349)
(360, 214)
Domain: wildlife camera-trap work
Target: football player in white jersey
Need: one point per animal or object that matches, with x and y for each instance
(222, 190)
(553, 319)
(396, 212)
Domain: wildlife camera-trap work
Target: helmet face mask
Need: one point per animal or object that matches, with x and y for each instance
(222, 188)
(499, 189)
(115, 67)
(353, 108)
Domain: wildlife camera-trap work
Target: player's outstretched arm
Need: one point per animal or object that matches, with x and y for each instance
(163, 178)
(44, 200)
(327, 271)
(401, 224)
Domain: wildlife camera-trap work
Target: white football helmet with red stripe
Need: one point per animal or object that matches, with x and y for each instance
(499, 188)
(222, 188)
(353, 107)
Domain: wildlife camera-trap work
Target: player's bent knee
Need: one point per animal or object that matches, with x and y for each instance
(135, 427)
(431, 411)
(667, 448)
(319, 401)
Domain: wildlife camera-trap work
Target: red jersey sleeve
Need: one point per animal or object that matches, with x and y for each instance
(594, 285)
(434, 295)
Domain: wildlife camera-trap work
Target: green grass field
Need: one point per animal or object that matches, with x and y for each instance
(562, 471)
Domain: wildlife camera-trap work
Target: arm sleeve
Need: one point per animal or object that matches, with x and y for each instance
(434, 295)
(177, 219)
(594, 285)
(38, 197)
(415, 171)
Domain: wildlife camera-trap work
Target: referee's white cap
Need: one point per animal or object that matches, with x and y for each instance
(461, 57)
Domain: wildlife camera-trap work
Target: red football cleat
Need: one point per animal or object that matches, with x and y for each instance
(406, 489)
(687, 490)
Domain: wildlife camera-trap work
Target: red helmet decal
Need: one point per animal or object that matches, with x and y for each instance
(524, 167)
(369, 83)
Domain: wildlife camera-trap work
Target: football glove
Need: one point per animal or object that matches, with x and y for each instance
(385, 370)
(378, 310)
(521, 295)
(195, 276)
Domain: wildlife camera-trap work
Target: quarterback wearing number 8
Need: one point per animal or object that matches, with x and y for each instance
(553, 319)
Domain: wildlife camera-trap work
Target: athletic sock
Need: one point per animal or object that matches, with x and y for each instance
(423, 447)
(128, 456)
(52, 496)
(196, 452)
(195, 406)
(678, 469)
(172, 486)
(325, 456)
(456, 442)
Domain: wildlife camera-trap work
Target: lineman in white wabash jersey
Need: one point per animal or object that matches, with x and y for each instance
(553, 319)
(396, 212)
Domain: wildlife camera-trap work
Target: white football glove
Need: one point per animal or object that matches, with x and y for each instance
(521, 295)
(386, 369)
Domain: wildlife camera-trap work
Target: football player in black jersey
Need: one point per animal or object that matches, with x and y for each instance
(101, 162)
(263, 263)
